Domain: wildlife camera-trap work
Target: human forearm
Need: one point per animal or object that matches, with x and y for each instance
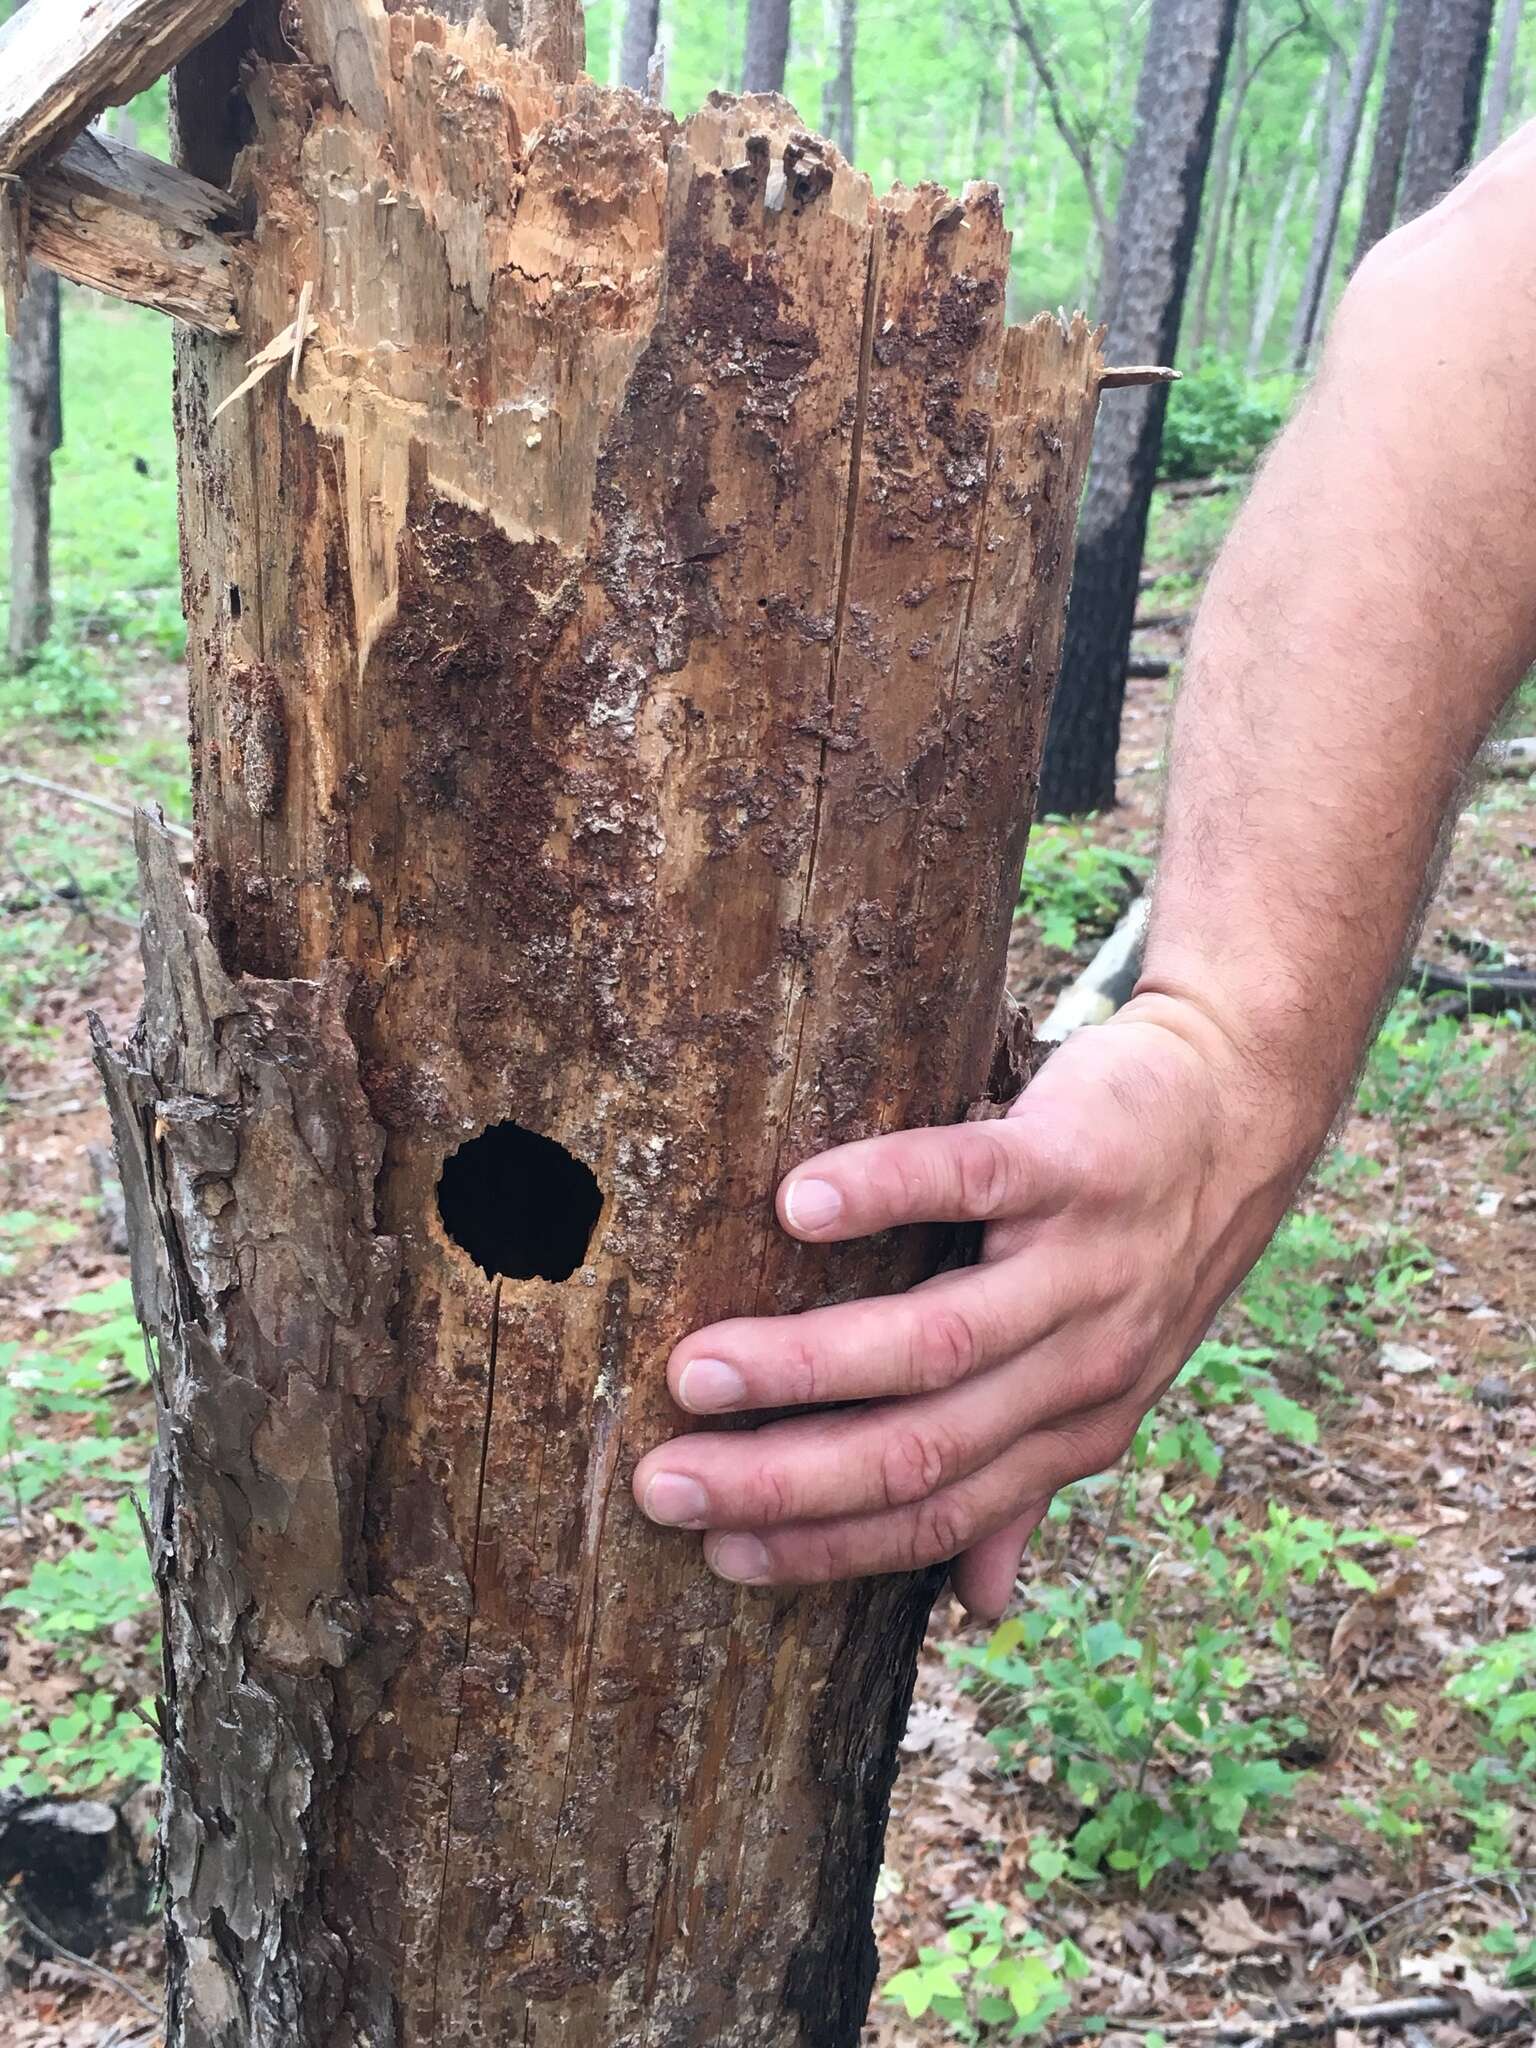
(1369, 617)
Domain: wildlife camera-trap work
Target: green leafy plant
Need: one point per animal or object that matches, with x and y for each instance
(1217, 423)
(64, 686)
(1146, 1734)
(1517, 1947)
(99, 1741)
(988, 1981)
(1072, 884)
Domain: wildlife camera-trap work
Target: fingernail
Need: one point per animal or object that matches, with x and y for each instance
(812, 1204)
(708, 1385)
(741, 1559)
(676, 1501)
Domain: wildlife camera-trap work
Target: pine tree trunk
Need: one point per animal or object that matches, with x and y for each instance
(642, 22)
(1267, 299)
(1215, 214)
(837, 114)
(35, 431)
(1447, 96)
(1341, 159)
(1159, 215)
(619, 652)
(1501, 78)
(767, 46)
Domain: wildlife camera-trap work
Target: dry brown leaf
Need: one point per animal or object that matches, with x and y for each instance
(1231, 1930)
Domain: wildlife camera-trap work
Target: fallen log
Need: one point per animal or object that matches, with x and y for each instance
(1474, 991)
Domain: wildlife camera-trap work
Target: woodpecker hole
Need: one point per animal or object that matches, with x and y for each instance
(520, 1205)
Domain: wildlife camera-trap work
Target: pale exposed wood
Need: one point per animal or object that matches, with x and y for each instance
(110, 217)
(62, 62)
(1129, 376)
(618, 666)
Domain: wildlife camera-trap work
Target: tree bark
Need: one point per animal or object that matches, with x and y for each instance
(620, 635)
(1501, 78)
(837, 107)
(1267, 298)
(1330, 204)
(1446, 97)
(767, 46)
(36, 425)
(1159, 215)
(1378, 208)
(1220, 181)
(642, 23)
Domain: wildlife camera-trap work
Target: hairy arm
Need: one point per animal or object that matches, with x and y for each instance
(1373, 610)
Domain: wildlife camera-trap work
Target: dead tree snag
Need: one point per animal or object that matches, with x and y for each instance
(622, 622)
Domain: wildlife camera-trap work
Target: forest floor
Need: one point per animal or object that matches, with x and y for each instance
(1259, 1740)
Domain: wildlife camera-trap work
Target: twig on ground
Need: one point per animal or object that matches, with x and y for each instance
(68, 1955)
(84, 796)
(1391, 2016)
(1506, 1881)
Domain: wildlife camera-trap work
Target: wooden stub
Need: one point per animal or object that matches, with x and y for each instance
(619, 660)
(62, 62)
(110, 217)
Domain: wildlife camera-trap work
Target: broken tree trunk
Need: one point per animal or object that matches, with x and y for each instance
(622, 620)
(32, 372)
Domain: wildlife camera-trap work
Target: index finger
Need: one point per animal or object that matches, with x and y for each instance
(958, 1173)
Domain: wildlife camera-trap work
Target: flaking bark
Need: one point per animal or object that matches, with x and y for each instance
(620, 639)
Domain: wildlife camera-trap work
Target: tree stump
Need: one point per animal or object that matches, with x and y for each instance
(623, 611)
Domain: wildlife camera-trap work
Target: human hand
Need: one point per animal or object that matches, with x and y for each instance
(1129, 1190)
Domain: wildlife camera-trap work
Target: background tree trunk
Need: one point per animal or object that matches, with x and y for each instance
(36, 431)
(1446, 97)
(1378, 208)
(1330, 203)
(837, 111)
(1267, 298)
(767, 46)
(642, 22)
(1158, 218)
(1215, 236)
(612, 768)
(1501, 77)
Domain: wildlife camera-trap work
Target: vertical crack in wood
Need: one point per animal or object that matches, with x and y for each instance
(799, 990)
(469, 1629)
(952, 690)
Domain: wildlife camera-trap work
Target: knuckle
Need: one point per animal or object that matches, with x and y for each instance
(941, 1529)
(984, 1171)
(947, 1348)
(770, 1497)
(822, 1555)
(898, 1185)
(1107, 1374)
(801, 1373)
(911, 1467)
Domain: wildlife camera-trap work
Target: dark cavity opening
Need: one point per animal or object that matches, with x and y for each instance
(519, 1205)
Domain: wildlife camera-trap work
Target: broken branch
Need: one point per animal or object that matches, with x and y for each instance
(1125, 376)
(62, 62)
(110, 217)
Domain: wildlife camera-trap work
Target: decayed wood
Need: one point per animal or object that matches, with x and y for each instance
(62, 62)
(110, 217)
(34, 419)
(619, 660)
